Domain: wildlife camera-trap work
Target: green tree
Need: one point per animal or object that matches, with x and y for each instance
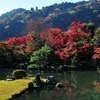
(96, 38)
(90, 26)
(40, 57)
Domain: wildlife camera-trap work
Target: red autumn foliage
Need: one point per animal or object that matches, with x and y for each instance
(65, 43)
(20, 44)
(97, 53)
(77, 31)
(84, 47)
(85, 51)
(54, 36)
(18, 41)
(67, 51)
(50, 33)
(25, 50)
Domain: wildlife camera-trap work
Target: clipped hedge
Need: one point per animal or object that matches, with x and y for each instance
(19, 74)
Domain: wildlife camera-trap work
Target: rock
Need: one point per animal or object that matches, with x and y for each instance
(38, 81)
(30, 85)
(59, 85)
(9, 79)
(50, 80)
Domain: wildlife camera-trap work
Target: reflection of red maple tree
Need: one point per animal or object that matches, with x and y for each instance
(97, 86)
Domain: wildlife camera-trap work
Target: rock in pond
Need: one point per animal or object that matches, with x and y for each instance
(59, 85)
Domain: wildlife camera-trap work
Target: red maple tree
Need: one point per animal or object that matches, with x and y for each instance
(97, 53)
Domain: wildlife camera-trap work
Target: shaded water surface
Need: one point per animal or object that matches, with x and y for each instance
(79, 85)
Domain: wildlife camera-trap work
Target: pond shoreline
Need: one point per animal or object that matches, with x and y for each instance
(69, 68)
(76, 79)
(23, 84)
(65, 68)
(15, 96)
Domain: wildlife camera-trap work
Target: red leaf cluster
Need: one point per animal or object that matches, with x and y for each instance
(67, 51)
(65, 43)
(20, 44)
(84, 47)
(97, 53)
(54, 36)
(77, 31)
(18, 41)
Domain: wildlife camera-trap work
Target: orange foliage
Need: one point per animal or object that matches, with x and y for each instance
(97, 53)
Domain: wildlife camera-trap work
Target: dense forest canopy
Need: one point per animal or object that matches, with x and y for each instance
(15, 22)
(78, 46)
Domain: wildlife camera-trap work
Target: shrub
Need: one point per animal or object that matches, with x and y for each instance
(18, 74)
(40, 57)
(32, 66)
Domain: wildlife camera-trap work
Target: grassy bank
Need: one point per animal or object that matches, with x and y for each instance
(9, 88)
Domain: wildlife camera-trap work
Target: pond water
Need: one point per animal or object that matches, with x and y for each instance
(79, 85)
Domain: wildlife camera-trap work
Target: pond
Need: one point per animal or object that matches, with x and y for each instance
(79, 85)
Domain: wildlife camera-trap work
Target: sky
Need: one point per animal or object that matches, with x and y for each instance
(8, 5)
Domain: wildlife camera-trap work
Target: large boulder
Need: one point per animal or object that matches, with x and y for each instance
(18, 74)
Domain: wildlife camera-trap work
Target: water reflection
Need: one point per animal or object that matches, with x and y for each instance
(4, 73)
(81, 85)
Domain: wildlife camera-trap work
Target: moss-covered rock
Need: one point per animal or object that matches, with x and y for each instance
(18, 74)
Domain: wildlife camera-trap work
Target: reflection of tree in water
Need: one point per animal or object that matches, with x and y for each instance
(86, 87)
(81, 87)
(74, 79)
(33, 95)
(97, 86)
